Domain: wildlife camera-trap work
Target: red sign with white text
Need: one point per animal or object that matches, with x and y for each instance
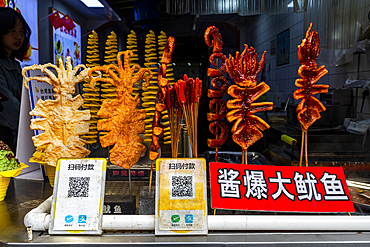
(279, 188)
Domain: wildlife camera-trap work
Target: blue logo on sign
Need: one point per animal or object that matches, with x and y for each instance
(82, 219)
(68, 218)
(189, 218)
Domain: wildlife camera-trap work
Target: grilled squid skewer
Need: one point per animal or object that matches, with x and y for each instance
(308, 110)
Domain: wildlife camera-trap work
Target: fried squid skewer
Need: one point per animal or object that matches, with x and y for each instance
(160, 104)
(308, 110)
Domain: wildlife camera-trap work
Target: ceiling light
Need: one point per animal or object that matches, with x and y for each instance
(189, 64)
(93, 3)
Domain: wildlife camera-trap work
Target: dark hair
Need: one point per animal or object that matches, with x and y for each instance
(8, 17)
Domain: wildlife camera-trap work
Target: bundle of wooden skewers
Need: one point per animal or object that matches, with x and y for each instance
(188, 93)
(175, 114)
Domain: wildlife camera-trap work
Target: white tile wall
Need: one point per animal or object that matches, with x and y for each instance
(262, 29)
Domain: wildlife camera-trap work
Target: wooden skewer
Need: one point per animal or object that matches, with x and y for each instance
(196, 105)
(150, 176)
(193, 113)
(129, 181)
(302, 145)
(305, 146)
(192, 129)
(243, 156)
(172, 126)
(188, 125)
(216, 155)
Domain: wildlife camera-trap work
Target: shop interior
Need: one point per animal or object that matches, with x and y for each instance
(338, 138)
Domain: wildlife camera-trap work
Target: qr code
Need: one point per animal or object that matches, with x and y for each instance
(182, 187)
(78, 187)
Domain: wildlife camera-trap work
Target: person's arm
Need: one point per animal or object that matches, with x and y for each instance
(9, 116)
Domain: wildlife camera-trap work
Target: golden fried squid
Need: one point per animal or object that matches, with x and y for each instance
(308, 110)
(60, 120)
(244, 69)
(123, 121)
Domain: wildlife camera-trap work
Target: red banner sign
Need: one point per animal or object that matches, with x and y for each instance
(279, 188)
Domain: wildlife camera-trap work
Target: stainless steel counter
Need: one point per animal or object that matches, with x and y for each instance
(23, 195)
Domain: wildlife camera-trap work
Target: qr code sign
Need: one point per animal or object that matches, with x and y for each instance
(182, 187)
(78, 187)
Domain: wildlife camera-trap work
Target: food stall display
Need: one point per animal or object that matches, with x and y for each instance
(217, 105)
(123, 121)
(244, 69)
(308, 110)
(61, 120)
(91, 97)
(126, 105)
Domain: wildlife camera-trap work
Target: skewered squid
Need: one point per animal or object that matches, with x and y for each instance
(217, 105)
(123, 121)
(160, 102)
(244, 69)
(308, 110)
(61, 120)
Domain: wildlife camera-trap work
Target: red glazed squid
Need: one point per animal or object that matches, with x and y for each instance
(308, 110)
(217, 105)
(244, 69)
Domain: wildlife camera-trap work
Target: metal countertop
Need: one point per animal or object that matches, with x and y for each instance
(24, 195)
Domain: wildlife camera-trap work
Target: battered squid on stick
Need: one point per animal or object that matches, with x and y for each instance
(308, 110)
(217, 105)
(244, 69)
(160, 103)
(123, 121)
(61, 120)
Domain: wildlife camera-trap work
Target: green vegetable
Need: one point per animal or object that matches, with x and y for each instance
(5, 163)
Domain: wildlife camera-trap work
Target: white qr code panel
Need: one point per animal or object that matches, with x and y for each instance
(182, 186)
(181, 196)
(78, 196)
(78, 186)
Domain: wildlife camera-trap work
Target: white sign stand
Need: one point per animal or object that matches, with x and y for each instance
(78, 197)
(181, 197)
